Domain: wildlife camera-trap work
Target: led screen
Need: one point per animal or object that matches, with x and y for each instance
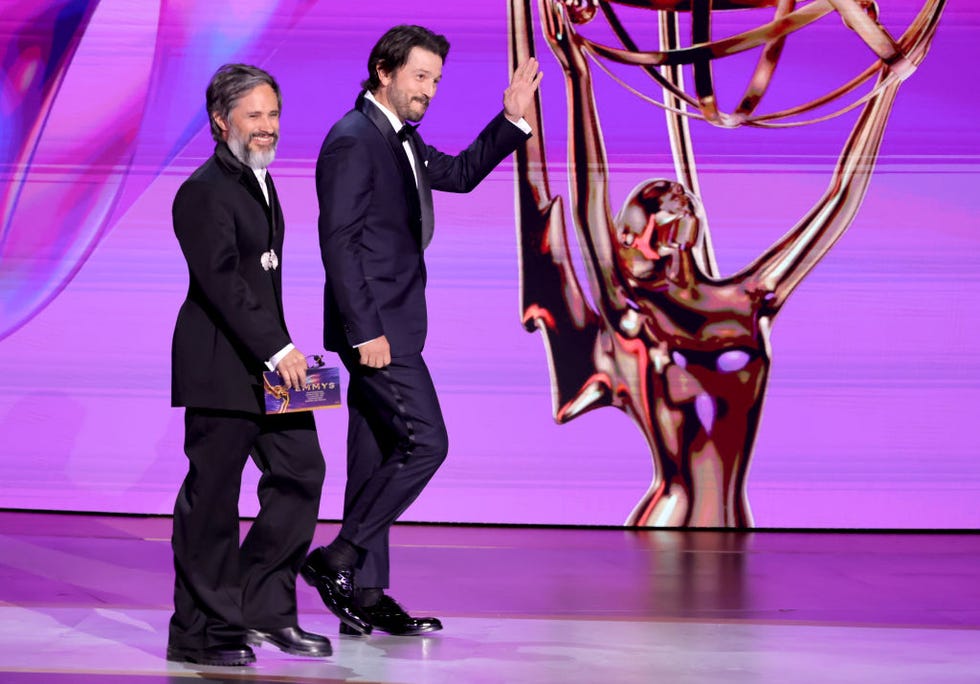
(871, 388)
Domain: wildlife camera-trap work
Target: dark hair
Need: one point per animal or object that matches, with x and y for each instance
(391, 51)
(229, 83)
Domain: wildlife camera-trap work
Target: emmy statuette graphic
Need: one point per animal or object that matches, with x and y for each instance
(683, 350)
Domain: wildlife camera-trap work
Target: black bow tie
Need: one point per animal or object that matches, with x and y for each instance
(405, 132)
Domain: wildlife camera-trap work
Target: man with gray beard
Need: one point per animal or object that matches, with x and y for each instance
(230, 329)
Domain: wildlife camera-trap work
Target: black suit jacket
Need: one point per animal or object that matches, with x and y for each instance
(231, 321)
(375, 222)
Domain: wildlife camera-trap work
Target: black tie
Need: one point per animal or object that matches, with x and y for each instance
(405, 133)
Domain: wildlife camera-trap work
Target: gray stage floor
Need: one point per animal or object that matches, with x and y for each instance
(87, 598)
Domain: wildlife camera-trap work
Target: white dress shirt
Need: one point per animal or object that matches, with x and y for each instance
(281, 354)
(260, 177)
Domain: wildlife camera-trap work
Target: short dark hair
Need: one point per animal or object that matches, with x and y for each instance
(391, 51)
(229, 83)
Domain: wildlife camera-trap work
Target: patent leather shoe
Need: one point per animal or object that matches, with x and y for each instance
(292, 640)
(387, 616)
(224, 655)
(336, 588)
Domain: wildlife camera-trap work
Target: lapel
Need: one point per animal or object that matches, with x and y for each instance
(419, 196)
(247, 179)
(273, 211)
(424, 186)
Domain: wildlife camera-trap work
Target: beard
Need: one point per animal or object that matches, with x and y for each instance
(256, 159)
(402, 105)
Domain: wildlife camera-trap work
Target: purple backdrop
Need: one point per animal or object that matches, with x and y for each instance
(871, 405)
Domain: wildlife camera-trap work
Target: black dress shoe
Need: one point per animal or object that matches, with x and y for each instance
(225, 655)
(387, 616)
(336, 588)
(292, 640)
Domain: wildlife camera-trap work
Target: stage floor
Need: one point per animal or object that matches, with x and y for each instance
(86, 598)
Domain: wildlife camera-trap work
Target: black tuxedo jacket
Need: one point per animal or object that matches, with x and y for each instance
(231, 321)
(375, 222)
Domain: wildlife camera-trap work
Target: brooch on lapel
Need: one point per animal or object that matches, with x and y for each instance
(269, 260)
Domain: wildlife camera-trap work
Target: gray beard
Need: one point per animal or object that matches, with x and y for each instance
(254, 160)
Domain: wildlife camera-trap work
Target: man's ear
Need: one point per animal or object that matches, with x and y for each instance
(383, 74)
(220, 121)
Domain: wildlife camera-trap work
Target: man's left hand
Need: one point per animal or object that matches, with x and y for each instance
(520, 93)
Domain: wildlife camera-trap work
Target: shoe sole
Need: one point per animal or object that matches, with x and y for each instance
(326, 595)
(184, 657)
(258, 641)
(416, 632)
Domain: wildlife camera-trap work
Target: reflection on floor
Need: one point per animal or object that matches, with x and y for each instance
(87, 598)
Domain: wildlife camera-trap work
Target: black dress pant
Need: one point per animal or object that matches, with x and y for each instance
(222, 588)
(396, 440)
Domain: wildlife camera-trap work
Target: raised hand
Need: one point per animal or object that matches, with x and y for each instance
(519, 95)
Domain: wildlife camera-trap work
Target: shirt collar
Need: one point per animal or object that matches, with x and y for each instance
(393, 119)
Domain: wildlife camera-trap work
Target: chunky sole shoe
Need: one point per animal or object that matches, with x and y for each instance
(218, 656)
